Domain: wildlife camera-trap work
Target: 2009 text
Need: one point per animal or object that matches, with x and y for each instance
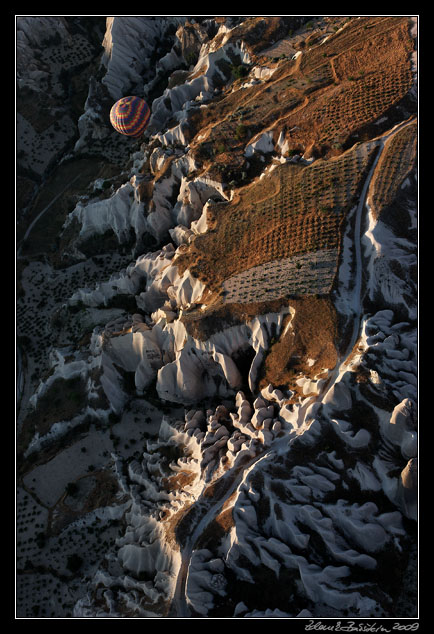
(352, 626)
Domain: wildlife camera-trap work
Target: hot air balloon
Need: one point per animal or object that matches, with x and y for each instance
(130, 116)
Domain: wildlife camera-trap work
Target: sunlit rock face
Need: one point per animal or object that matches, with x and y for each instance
(129, 44)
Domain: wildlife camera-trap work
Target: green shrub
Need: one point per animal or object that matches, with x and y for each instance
(74, 563)
(240, 131)
(191, 58)
(72, 488)
(239, 71)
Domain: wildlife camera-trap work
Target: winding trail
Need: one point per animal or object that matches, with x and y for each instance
(179, 606)
(356, 303)
(41, 213)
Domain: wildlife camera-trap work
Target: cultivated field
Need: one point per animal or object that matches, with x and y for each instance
(370, 77)
(295, 210)
(397, 160)
(279, 239)
(343, 83)
(300, 275)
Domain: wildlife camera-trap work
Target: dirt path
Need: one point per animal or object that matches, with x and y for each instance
(45, 219)
(356, 305)
(357, 299)
(343, 362)
(41, 213)
(179, 608)
(213, 125)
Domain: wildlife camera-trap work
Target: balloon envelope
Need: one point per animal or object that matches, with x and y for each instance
(130, 116)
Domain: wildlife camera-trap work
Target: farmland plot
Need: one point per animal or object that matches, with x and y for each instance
(306, 274)
(398, 159)
(369, 80)
(321, 102)
(295, 211)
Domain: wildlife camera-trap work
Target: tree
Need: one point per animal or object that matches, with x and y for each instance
(74, 562)
(239, 71)
(241, 131)
(72, 488)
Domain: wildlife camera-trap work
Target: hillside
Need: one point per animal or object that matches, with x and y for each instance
(216, 386)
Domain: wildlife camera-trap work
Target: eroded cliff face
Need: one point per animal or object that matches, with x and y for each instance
(223, 391)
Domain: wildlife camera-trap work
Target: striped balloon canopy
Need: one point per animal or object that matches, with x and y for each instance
(130, 116)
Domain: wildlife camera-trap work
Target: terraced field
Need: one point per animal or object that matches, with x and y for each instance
(369, 79)
(349, 83)
(289, 215)
(397, 160)
(305, 274)
(323, 101)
